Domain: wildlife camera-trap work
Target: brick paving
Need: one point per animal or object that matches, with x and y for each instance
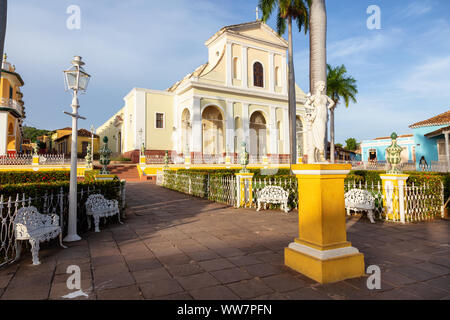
(175, 246)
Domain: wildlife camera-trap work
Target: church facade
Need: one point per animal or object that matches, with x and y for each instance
(239, 95)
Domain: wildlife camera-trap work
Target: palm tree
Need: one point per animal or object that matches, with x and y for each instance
(289, 10)
(340, 86)
(3, 15)
(317, 43)
(318, 47)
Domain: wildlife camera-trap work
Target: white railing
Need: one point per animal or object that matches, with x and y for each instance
(16, 159)
(208, 159)
(154, 159)
(44, 159)
(405, 204)
(288, 183)
(158, 159)
(56, 202)
(11, 104)
(52, 159)
(436, 166)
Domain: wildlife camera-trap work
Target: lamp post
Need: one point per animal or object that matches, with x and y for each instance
(76, 79)
(92, 144)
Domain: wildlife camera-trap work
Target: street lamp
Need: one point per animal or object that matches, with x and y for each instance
(92, 144)
(76, 79)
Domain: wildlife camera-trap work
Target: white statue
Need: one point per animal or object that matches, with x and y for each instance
(317, 106)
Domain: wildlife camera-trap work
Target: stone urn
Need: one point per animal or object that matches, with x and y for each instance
(105, 154)
(393, 157)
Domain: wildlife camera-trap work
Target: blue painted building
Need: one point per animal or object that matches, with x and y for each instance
(375, 150)
(432, 139)
(429, 141)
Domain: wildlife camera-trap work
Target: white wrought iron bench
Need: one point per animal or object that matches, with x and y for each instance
(360, 200)
(35, 227)
(272, 195)
(99, 207)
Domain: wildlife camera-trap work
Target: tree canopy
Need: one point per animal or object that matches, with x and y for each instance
(351, 144)
(32, 133)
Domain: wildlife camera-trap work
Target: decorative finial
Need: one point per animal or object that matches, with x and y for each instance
(393, 155)
(257, 13)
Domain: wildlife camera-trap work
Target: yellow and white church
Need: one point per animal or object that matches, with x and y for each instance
(239, 95)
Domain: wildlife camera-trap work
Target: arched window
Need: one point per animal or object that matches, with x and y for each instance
(277, 77)
(258, 75)
(11, 129)
(236, 68)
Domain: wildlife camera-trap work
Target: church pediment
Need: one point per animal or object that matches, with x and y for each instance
(259, 31)
(256, 30)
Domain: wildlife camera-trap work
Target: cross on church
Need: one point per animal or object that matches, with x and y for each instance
(257, 13)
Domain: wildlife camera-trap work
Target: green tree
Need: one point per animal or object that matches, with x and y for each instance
(32, 133)
(340, 86)
(351, 144)
(287, 11)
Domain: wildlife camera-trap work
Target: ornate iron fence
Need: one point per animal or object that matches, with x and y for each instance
(404, 204)
(52, 159)
(287, 183)
(16, 159)
(50, 203)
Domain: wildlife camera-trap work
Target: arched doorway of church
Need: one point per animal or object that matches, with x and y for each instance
(258, 135)
(186, 129)
(212, 131)
(299, 135)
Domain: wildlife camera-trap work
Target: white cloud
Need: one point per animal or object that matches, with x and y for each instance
(428, 79)
(416, 9)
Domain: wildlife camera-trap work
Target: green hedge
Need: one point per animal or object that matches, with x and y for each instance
(15, 177)
(217, 190)
(110, 189)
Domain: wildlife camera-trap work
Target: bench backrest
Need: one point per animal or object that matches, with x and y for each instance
(95, 200)
(275, 191)
(28, 219)
(358, 196)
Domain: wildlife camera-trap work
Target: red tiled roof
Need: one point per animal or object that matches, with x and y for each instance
(443, 118)
(81, 133)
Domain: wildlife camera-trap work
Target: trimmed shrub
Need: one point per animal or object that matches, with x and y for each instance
(15, 177)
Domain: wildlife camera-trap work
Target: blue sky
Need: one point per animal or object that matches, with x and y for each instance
(403, 69)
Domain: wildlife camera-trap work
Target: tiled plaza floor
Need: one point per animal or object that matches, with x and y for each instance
(174, 246)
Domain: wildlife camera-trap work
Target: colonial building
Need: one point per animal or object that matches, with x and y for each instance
(61, 141)
(12, 110)
(375, 150)
(432, 139)
(239, 95)
(429, 143)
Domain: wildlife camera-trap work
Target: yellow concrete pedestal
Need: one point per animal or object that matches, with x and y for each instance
(245, 189)
(393, 196)
(104, 177)
(322, 252)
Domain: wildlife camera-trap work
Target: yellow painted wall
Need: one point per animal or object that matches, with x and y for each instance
(12, 123)
(129, 110)
(256, 44)
(159, 139)
(109, 130)
(80, 141)
(260, 56)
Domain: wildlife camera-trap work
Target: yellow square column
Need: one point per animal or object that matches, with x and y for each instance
(244, 189)
(393, 196)
(322, 252)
